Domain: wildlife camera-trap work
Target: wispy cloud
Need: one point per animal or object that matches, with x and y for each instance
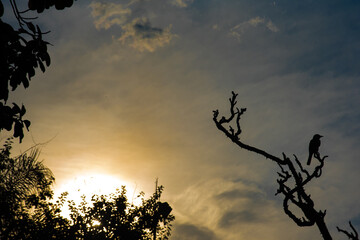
(178, 3)
(190, 231)
(238, 30)
(220, 209)
(136, 32)
(142, 36)
(181, 3)
(109, 14)
(254, 21)
(271, 26)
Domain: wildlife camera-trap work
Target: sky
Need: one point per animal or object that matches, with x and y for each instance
(133, 83)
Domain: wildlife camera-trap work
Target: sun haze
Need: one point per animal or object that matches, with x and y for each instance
(93, 184)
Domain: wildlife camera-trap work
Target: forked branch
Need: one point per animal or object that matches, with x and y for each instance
(292, 175)
(234, 135)
(351, 235)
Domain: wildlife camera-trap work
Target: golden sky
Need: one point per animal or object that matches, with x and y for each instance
(133, 83)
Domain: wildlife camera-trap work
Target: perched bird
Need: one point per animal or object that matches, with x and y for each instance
(314, 147)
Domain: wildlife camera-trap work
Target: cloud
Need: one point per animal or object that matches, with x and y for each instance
(234, 194)
(181, 3)
(271, 26)
(241, 28)
(109, 14)
(142, 36)
(255, 21)
(178, 3)
(231, 218)
(136, 31)
(226, 195)
(192, 232)
(215, 27)
(250, 205)
(229, 209)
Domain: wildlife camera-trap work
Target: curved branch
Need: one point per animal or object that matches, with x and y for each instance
(234, 136)
(300, 222)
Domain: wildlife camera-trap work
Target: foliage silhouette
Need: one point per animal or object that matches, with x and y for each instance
(27, 212)
(24, 181)
(292, 176)
(22, 51)
(112, 217)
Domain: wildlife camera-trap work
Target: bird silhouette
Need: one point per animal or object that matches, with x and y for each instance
(314, 147)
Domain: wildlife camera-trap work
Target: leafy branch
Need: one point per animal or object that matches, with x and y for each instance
(22, 52)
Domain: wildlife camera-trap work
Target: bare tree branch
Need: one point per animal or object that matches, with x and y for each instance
(351, 235)
(235, 136)
(292, 178)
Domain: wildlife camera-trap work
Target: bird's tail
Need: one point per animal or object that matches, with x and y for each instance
(309, 159)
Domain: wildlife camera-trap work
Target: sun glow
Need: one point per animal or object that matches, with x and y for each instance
(90, 184)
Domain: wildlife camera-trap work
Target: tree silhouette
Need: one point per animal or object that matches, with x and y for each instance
(22, 52)
(112, 217)
(292, 176)
(27, 212)
(23, 181)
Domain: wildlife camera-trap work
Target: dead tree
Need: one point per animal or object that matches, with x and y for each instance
(292, 176)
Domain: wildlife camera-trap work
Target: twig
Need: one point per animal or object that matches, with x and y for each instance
(351, 235)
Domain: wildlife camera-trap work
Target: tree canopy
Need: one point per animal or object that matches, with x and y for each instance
(27, 211)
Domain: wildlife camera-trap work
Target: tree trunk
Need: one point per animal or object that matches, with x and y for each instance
(323, 229)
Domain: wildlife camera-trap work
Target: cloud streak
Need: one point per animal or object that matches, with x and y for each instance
(240, 29)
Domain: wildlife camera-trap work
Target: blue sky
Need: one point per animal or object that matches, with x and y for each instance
(132, 86)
